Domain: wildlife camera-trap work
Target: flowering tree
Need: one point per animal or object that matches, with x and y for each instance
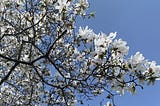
(44, 61)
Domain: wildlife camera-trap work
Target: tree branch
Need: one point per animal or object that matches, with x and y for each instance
(9, 73)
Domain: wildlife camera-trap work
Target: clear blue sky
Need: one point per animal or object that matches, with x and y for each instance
(137, 22)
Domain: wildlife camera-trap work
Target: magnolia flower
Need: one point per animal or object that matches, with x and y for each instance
(137, 58)
(120, 46)
(81, 7)
(137, 62)
(155, 68)
(62, 4)
(102, 42)
(86, 33)
(112, 35)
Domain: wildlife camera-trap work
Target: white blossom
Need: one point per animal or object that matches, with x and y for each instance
(121, 46)
(155, 68)
(102, 41)
(86, 33)
(137, 58)
(45, 60)
(62, 4)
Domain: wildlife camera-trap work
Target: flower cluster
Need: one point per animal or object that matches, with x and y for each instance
(44, 61)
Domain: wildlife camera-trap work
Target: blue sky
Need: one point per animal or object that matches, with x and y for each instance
(138, 23)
